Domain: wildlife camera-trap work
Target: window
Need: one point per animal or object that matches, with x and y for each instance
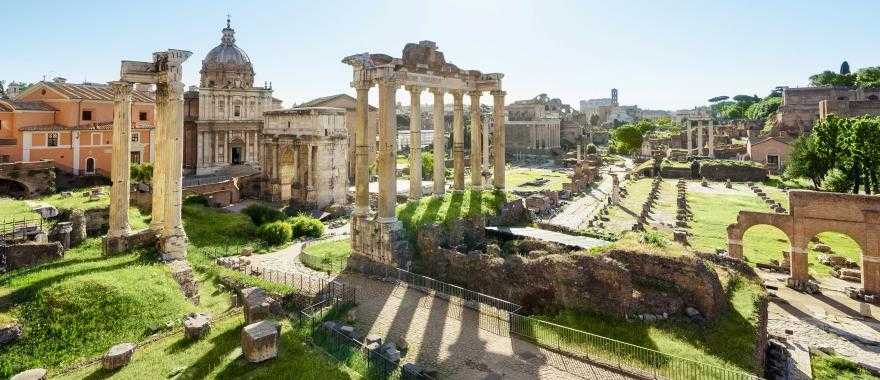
(773, 161)
(135, 136)
(135, 157)
(210, 83)
(142, 116)
(52, 139)
(90, 165)
(87, 115)
(237, 111)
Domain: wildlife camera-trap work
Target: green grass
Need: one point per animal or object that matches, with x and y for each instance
(834, 367)
(327, 255)
(81, 305)
(218, 355)
(77, 200)
(446, 210)
(623, 216)
(727, 342)
(15, 209)
(515, 177)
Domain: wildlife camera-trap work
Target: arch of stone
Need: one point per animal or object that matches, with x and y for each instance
(165, 71)
(378, 241)
(857, 216)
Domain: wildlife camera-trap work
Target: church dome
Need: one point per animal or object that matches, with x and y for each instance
(227, 65)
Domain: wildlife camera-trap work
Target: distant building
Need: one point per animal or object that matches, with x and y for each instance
(348, 103)
(533, 125)
(800, 106)
(772, 151)
(610, 112)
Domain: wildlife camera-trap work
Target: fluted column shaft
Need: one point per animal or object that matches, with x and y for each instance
(499, 140)
(458, 140)
(689, 138)
(700, 140)
(415, 142)
(157, 215)
(120, 171)
(362, 150)
(174, 245)
(439, 144)
(476, 137)
(387, 143)
(712, 141)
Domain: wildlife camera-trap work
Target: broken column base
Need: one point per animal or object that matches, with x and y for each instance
(173, 247)
(183, 274)
(805, 286)
(115, 244)
(377, 247)
(862, 295)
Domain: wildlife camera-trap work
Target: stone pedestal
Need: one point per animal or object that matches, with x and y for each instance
(256, 304)
(259, 341)
(183, 274)
(129, 240)
(377, 246)
(196, 325)
(117, 356)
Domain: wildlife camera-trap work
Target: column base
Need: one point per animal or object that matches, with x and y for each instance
(173, 246)
(115, 244)
(805, 286)
(377, 244)
(361, 211)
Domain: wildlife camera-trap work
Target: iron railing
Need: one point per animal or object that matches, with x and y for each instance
(19, 230)
(320, 263)
(320, 288)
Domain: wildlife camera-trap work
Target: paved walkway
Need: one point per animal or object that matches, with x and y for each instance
(576, 214)
(575, 241)
(442, 335)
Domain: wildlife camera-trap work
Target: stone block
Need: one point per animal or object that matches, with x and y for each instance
(9, 333)
(117, 356)
(372, 338)
(822, 248)
(196, 325)
(347, 331)
(27, 255)
(392, 354)
(259, 341)
(31, 374)
(256, 304)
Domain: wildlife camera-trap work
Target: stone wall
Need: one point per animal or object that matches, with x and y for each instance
(38, 177)
(733, 170)
(97, 221)
(618, 283)
(26, 255)
(219, 194)
(377, 246)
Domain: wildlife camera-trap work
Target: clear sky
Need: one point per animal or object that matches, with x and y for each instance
(660, 54)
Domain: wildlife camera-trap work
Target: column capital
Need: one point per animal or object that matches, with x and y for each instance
(457, 94)
(414, 89)
(362, 84)
(475, 93)
(498, 92)
(392, 82)
(121, 89)
(437, 91)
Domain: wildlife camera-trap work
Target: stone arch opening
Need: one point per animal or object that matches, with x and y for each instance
(835, 251)
(13, 188)
(767, 244)
(237, 151)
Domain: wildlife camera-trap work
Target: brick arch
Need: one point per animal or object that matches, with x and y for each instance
(749, 219)
(37, 177)
(5, 183)
(855, 231)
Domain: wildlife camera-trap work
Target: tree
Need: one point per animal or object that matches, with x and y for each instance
(2, 89)
(746, 99)
(718, 99)
(142, 173)
(804, 162)
(868, 77)
(830, 78)
(764, 108)
(627, 138)
(427, 165)
(844, 68)
(594, 120)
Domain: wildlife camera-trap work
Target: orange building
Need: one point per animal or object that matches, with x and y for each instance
(72, 124)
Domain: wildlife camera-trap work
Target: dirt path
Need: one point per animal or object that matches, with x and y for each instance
(442, 335)
(578, 212)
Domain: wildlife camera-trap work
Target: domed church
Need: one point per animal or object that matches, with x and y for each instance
(224, 114)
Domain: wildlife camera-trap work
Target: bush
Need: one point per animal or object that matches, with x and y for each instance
(591, 148)
(655, 238)
(261, 215)
(196, 200)
(276, 232)
(304, 225)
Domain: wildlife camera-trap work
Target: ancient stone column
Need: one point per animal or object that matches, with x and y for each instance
(700, 139)
(362, 150)
(439, 144)
(500, 141)
(457, 141)
(476, 136)
(174, 238)
(712, 141)
(387, 152)
(689, 138)
(157, 215)
(415, 142)
(484, 142)
(120, 168)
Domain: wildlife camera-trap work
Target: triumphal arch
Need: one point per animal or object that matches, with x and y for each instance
(857, 216)
(165, 71)
(422, 67)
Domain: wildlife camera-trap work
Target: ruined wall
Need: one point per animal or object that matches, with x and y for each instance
(38, 177)
(30, 254)
(732, 171)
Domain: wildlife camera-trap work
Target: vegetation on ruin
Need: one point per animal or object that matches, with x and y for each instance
(868, 77)
(836, 367)
(327, 255)
(627, 138)
(841, 154)
(446, 210)
(727, 342)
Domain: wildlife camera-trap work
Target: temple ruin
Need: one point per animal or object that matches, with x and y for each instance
(379, 240)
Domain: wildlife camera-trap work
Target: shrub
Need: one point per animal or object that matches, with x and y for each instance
(196, 200)
(655, 238)
(304, 225)
(260, 214)
(276, 232)
(591, 148)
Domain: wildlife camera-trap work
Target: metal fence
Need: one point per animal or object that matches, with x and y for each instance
(18, 230)
(320, 263)
(501, 317)
(320, 288)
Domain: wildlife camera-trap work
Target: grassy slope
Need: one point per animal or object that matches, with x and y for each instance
(624, 215)
(218, 356)
(728, 342)
(833, 367)
(515, 177)
(332, 255)
(446, 210)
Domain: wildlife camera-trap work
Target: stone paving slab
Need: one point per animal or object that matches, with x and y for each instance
(583, 242)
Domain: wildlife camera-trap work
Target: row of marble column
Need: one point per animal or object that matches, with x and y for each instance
(699, 148)
(545, 136)
(387, 145)
(167, 167)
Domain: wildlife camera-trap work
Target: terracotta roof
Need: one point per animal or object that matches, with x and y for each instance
(88, 127)
(95, 91)
(322, 101)
(783, 139)
(10, 105)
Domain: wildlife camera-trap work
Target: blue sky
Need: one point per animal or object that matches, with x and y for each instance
(659, 54)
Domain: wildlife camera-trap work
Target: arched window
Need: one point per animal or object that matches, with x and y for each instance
(90, 165)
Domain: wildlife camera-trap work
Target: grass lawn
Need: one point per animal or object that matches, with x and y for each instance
(834, 367)
(728, 342)
(77, 200)
(515, 177)
(624, 215)
(451, 207)
(327, 255)
(15, 209)
(218, 355)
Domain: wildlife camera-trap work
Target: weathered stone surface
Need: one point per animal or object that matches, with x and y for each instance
(31, 374)
(117, 356)
(256, 304)
(183, 274)
(196, 325)
(259, 341)
(9, 333)
(26, 255)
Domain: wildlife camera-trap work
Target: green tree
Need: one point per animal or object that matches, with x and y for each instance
(594, 120)
(764, 108)
(627, 138)
(427, 165)
(805, 162)
(141, 173)
(844, 68)
(868, 77)
(830, 78)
